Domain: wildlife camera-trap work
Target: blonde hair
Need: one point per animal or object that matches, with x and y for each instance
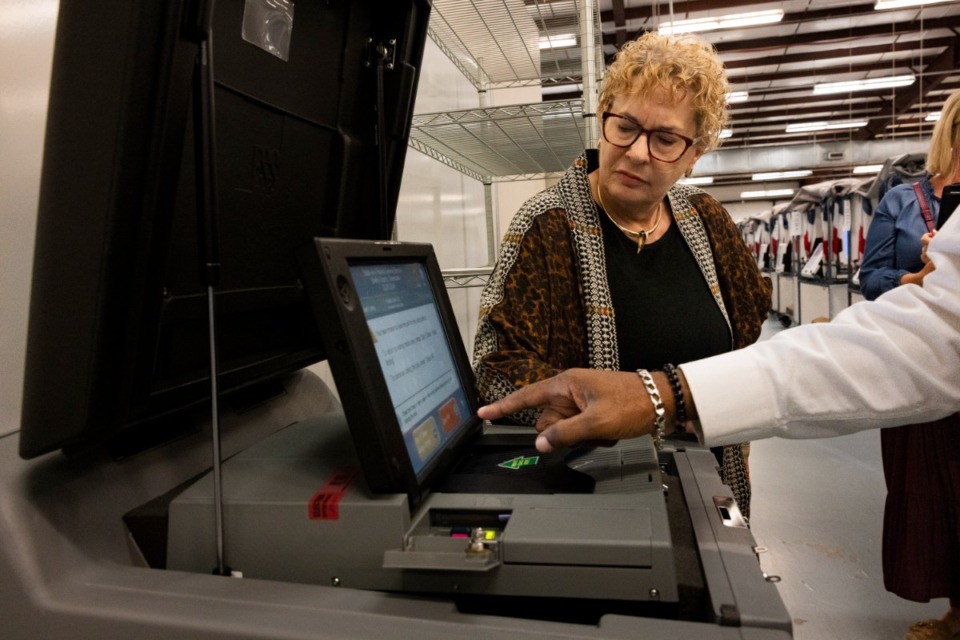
(683, 65)
(942, 158)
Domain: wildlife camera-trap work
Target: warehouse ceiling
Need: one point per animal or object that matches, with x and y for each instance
(501, 43)
(817, 41)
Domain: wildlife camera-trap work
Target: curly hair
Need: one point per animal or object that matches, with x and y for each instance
(682, 65)
(942, 158)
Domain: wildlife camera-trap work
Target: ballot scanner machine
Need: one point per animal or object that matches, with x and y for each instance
(429, 498)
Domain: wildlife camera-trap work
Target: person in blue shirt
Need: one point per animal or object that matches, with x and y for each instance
(892, 255)
(906, 217)
(921, 528)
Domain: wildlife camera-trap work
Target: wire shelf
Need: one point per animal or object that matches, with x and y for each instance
(466, 278)
(517, 142)
(511, 43)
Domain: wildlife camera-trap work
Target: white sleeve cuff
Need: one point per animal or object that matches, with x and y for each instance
(724, 416)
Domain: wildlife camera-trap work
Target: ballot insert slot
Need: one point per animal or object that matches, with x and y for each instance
(451, 539)
(454, 518)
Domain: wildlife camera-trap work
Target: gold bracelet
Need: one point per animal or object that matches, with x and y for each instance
(660, 417)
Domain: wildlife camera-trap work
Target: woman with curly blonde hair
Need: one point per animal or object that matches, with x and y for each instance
(618, 266)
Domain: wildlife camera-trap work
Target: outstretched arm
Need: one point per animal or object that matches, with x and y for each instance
(879, 364)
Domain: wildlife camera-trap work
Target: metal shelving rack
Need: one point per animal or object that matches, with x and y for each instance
(498, 46)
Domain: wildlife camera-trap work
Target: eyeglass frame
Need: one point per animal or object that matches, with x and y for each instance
(606, 115)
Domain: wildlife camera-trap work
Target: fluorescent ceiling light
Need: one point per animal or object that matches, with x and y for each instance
(558, 41)
(697, 180)
(782, 175)
(932, 117)
(868, 168)
(731, 21)
(771, 193)
(863, 85)
(737, 96)
(809, 127)
(725, 133)
(899, 4)
(561, 88)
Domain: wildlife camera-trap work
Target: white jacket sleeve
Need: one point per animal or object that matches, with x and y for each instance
(889, 362)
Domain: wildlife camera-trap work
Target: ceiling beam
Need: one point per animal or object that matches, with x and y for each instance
(814, 56)
(619, 23)
(905, 100)
(814, 75)
(684, 8)
(851, 34)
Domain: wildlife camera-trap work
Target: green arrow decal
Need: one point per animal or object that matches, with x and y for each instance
(520, 461)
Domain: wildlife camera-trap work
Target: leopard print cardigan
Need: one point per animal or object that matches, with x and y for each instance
(547, 305)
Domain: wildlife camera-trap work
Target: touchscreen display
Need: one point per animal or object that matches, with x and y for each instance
(414, 354)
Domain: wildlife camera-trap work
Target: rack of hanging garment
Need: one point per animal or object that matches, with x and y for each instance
(861, 211)
(818, 214)
(808, 209)
(781, 245)
(843, 210)
(747, 227)
(768, 250)
(787, 229)
(760, 238)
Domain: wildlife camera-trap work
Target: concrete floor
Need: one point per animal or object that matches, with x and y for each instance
(818, 509)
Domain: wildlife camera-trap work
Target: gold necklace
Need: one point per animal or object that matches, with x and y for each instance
(640, 235)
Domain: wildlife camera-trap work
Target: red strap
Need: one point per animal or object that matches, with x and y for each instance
(924, 207)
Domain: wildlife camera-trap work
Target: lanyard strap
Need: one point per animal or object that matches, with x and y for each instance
(924, 207)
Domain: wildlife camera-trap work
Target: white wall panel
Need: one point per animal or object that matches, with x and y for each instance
(26, 52)
(439, 204)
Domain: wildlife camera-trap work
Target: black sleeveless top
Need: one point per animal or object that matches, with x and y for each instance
(664, 309)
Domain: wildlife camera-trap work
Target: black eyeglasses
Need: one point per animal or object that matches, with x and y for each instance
(665, 146)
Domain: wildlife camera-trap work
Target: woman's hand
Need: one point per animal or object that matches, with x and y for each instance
(925, 242)
(917, 278)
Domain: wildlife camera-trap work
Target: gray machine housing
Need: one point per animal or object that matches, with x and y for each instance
(72, 566)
